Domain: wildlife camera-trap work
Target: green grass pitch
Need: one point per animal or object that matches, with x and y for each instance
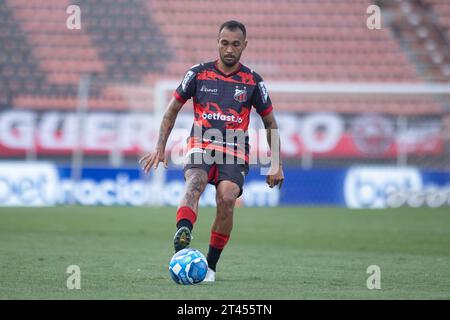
(273, 253)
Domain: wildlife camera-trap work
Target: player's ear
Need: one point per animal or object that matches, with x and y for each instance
(245, 44)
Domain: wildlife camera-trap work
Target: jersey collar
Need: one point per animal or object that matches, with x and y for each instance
(216, 66)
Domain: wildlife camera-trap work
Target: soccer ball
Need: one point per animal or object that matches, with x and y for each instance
(188, 266)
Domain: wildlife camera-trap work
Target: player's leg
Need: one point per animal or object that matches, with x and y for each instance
(226, 194)
(196, 180)
(229, 187)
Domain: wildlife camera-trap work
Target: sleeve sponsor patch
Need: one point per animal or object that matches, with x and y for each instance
(187, 79)
(263, 90)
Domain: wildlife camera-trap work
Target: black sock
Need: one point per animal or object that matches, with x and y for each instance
(213, 257)
(184, 223)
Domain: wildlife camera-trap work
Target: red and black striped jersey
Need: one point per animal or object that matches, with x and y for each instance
(223, 102)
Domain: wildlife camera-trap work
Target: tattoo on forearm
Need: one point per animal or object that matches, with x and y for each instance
(166, 127)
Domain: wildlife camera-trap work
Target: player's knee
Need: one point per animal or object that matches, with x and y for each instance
(226, 200)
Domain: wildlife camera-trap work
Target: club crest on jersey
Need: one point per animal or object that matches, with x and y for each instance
(240, 95)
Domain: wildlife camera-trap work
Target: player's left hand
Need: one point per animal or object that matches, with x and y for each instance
(152, 160)
(276, 179)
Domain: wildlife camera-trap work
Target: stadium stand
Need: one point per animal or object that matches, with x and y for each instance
(125, 43)
(19, 68)
(299, 40)
(441, 9)
(117, 43)
(420, 29)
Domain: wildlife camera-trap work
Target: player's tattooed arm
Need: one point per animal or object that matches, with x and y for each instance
(273, 137)
(275, 175)
(167, 123)
(154, 158)
(270, 124)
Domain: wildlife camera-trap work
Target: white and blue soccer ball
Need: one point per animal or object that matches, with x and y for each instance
(188, 266)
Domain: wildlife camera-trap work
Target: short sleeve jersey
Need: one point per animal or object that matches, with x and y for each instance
(223, 102)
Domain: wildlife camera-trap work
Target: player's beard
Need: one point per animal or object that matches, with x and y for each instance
(230, 63)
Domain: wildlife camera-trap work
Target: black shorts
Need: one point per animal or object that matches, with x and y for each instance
(229, 168)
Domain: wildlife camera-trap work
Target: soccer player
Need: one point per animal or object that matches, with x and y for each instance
(224, 92)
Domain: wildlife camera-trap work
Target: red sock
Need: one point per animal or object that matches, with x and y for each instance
(186, 214)
(218, 240)
(216, 244)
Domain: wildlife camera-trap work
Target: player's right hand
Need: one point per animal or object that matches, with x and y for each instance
(152, 160)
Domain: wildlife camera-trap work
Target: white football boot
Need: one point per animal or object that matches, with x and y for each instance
(210, 276)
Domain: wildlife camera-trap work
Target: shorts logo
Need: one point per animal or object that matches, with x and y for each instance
(240, 95)
(263, 90)
(187, 79)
